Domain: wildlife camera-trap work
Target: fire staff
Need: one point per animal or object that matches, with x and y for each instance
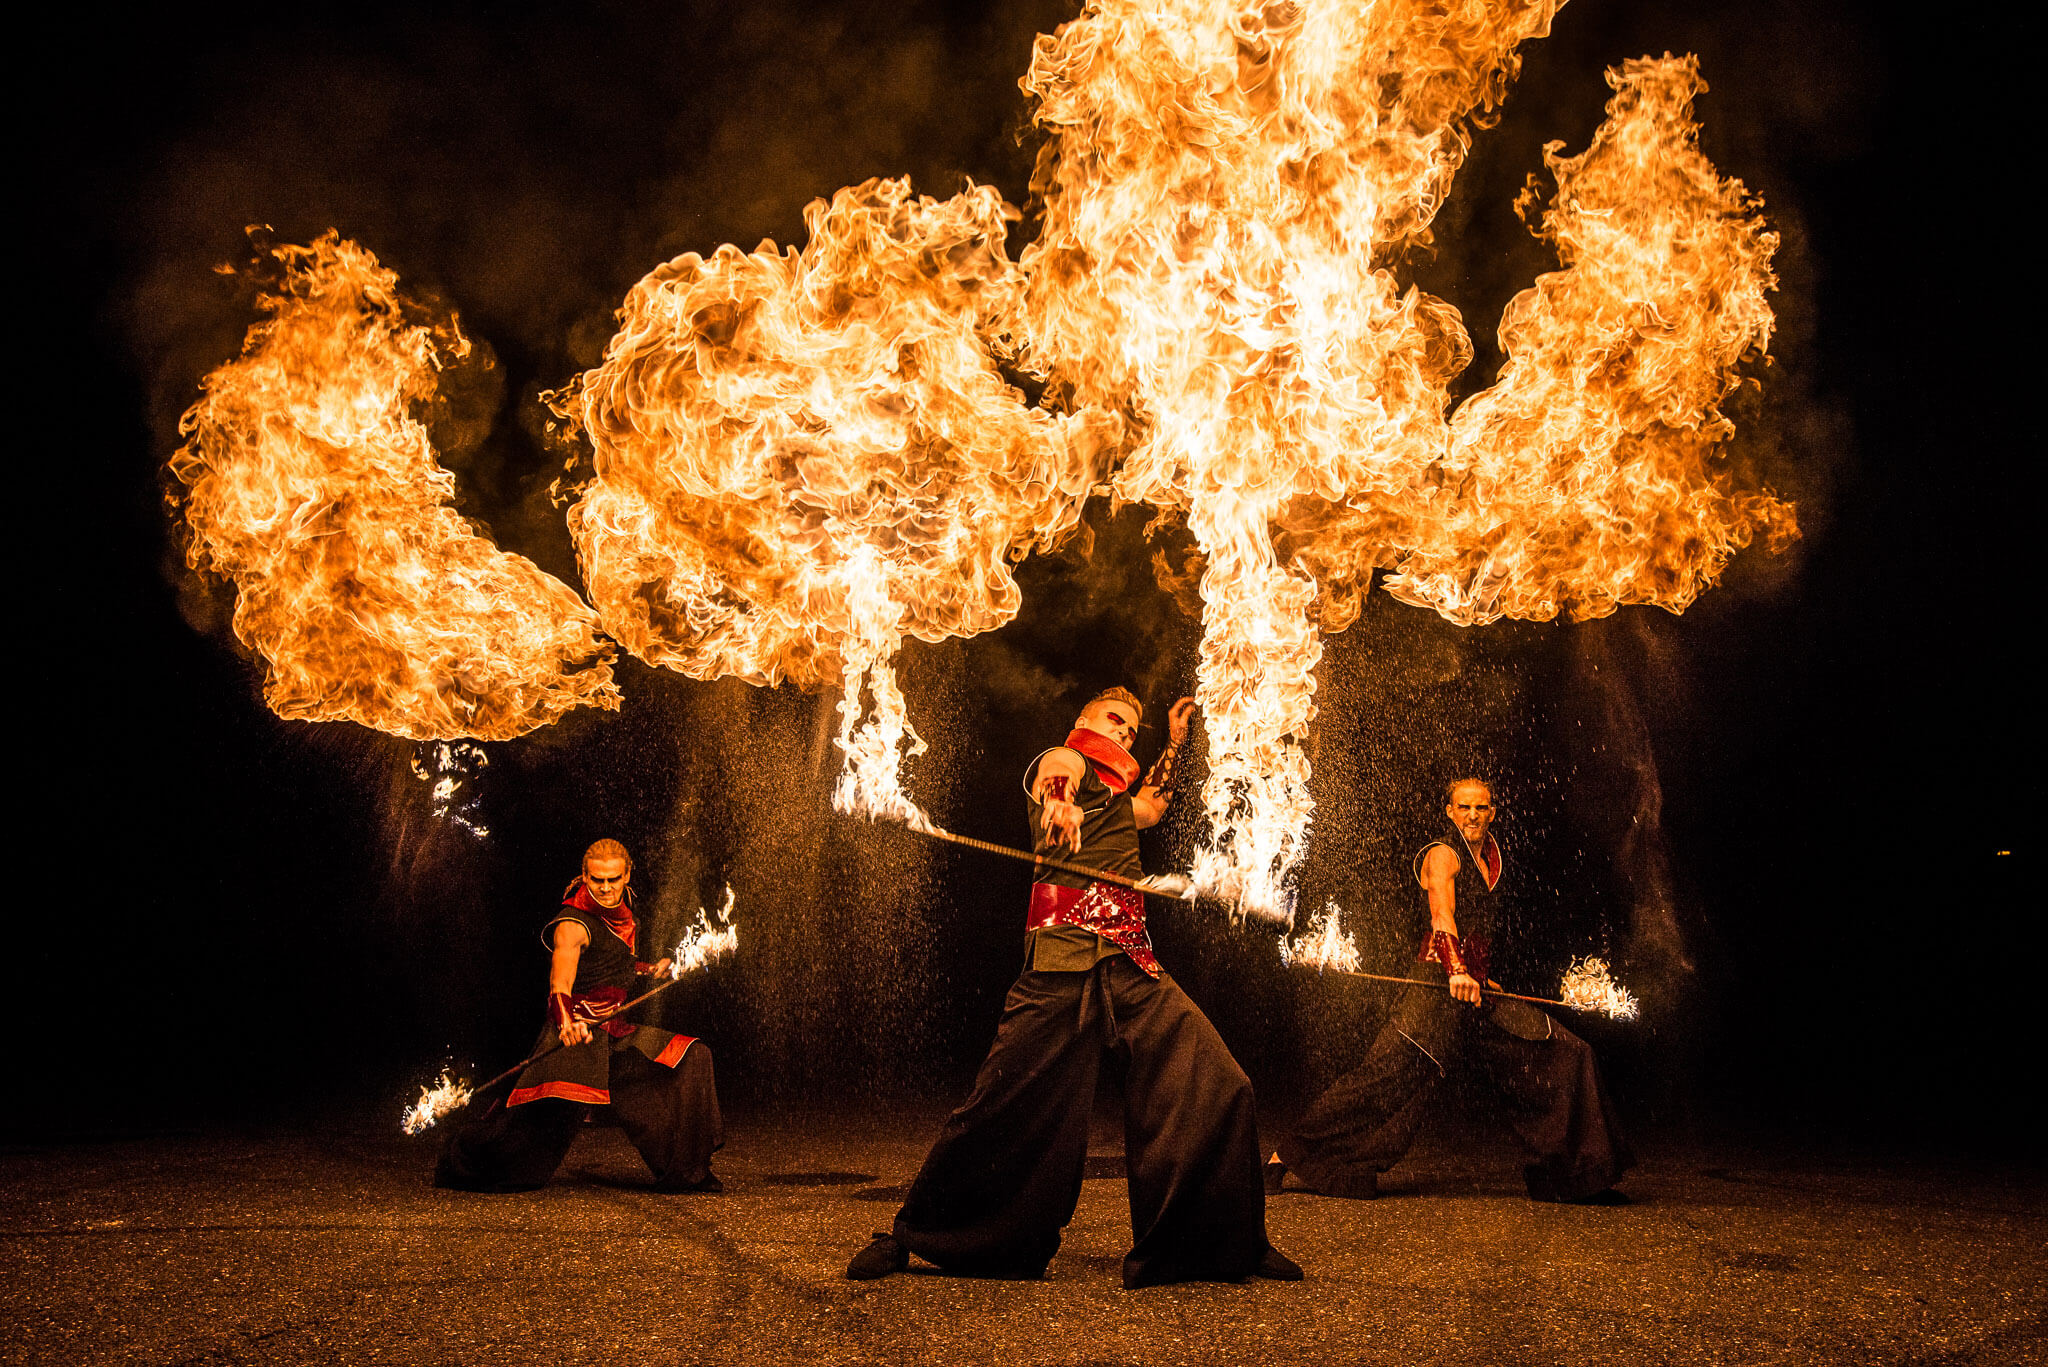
(1005, 1175)
(658, 1084)
(1367, 1119)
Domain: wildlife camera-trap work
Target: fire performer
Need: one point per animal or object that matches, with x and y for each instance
(1367, 1119)
(658, 1084)
(1005, 1175)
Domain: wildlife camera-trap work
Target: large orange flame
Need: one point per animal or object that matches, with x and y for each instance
(308, 482)
(804, 456)
(1225, 194)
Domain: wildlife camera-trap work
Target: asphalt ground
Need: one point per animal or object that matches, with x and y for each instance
(302, 1246)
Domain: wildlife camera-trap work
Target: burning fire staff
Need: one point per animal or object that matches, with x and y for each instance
(658, 1084)
(1005, 1175)
(1367, 1119)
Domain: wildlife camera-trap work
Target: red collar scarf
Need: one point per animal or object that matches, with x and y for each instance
(1112, 763)
(618, 920)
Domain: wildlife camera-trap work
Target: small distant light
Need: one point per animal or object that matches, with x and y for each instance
(2003, 853)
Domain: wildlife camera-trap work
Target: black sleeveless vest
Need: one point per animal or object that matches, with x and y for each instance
(1109, 830)
(1477, 907)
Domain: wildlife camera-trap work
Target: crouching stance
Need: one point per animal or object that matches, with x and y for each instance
(658, 1084)
(1003, 1180)
(1547, 1075)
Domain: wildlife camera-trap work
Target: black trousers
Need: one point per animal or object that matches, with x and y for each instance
(1005, 1175)
(671, 1116)
(1546, 1075)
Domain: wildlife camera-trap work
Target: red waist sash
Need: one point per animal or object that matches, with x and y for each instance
(1116, 914)
(594, 1007)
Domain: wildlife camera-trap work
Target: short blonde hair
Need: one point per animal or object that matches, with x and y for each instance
(1117, 694)
(607, 849)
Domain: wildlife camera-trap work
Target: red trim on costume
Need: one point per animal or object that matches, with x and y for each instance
(1112, 763)
(1469, 955)
(673, 1053)
(1490, 862)
(564, 1091)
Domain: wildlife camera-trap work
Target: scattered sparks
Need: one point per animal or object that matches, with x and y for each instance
(447, 766)
(308, 479)
(1324, 945)
(804, 456)
(1589, 987)
(449, 1094)
(704, 942)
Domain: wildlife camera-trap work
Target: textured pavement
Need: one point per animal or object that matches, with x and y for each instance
(304, 1247)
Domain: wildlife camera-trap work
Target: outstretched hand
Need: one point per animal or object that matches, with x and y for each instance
(1061, 821)
(1177, 718)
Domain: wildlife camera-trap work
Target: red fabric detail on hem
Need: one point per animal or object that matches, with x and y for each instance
(1113, 764)
(671, 1055)
(564, 1091)
(1116, 914)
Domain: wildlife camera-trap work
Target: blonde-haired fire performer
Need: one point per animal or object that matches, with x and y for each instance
(1367, 1119)
(1005, 1175)
(659, 1084)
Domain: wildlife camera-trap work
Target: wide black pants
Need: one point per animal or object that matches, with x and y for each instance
(1545, 1074)
(1005, 1175)
(671, 1116)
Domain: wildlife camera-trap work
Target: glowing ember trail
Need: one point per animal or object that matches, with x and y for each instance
(804, 456)
(310, 483)
(1226, 192)
(1588, 987)
(1326, 944)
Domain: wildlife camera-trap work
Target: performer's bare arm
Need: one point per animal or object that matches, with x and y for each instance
(1150, 802)
(1057, 781)
(1440, 877)
(570, 938)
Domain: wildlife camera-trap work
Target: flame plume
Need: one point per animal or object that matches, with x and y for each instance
(1225, 194)
(804, 456)
(309, 482)
(1588, 986)
(1326, 944)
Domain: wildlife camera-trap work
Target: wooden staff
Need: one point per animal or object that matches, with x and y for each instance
(516, 1069)
(1484, 991)
(1146, 886)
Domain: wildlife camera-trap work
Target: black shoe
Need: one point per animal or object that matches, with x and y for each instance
(1276, 1266)
(1276, 1176)
(884, 1257)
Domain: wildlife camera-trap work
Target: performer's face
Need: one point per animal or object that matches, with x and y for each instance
(1471, 810)
(1108, 717)
(606, 879)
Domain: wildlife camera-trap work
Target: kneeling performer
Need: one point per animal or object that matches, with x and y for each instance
(1005, 1175)
(658, 1084)
(1367, 1119)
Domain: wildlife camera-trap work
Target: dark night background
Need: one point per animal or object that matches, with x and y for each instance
(1782, 813)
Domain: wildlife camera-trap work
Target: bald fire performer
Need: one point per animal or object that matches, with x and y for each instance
(1005, 1175)
(658, 1084)
(1547, 1075)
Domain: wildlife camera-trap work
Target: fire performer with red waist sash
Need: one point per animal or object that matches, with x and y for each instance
(1003, 1180)
(659, 1084)
(1547, 1075)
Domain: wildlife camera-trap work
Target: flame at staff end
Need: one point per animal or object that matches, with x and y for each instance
(1324, 945)
(1588, 986)
(703, 942)
(448, 1094)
